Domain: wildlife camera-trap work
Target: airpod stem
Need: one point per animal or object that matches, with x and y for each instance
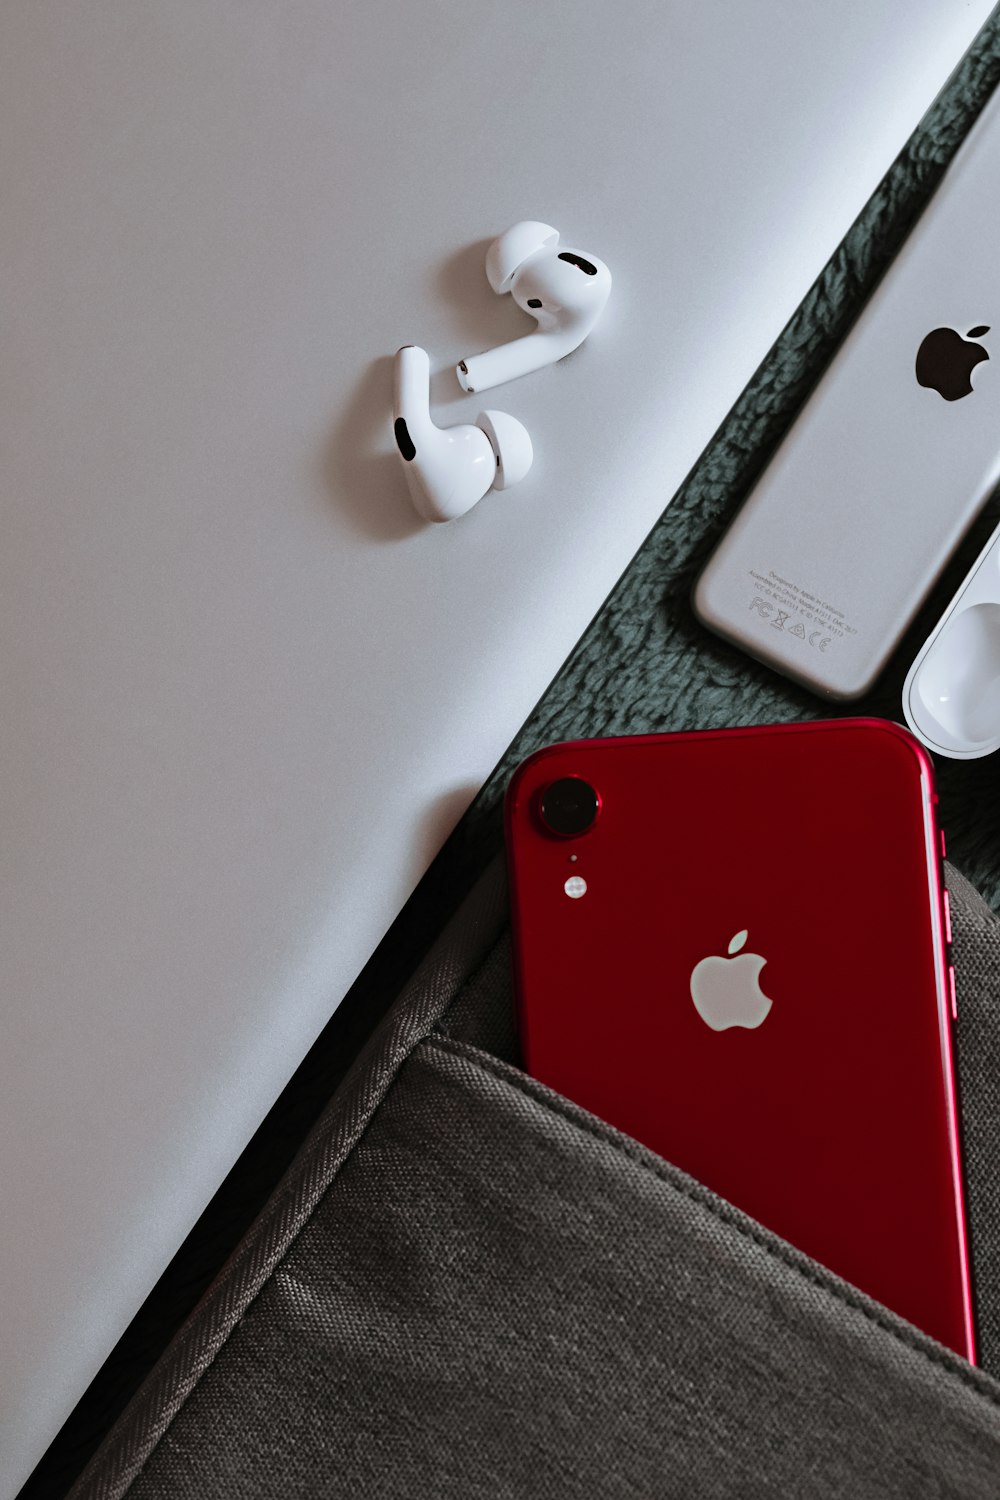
(510, 361)
(412, 387)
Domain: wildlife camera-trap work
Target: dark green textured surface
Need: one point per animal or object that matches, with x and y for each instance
(645, 665)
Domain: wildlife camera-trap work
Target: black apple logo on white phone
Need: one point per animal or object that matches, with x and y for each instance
(946, 360)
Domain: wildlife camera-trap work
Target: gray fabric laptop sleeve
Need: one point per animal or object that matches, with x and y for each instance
(468, 1286)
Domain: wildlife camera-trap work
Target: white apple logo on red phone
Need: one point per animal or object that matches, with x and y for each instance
(726, 991)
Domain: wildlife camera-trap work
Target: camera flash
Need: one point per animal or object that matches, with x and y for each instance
(575, 887)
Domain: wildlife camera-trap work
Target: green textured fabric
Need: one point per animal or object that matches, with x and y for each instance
(645, 665)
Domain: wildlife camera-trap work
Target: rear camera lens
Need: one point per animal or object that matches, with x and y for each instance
(569, 807)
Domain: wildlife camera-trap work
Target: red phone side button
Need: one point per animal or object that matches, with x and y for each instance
(944, 847)
(947, 919)
(952, 992)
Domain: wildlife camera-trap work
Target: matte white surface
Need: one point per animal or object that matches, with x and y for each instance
(246, 693)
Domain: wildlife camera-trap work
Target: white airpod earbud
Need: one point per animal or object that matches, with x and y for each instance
(564, 290)
(449, 469)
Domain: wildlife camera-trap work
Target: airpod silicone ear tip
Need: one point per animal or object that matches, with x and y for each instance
(511, 444)
(511, 249)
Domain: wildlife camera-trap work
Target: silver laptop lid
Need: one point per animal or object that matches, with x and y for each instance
(245, 692)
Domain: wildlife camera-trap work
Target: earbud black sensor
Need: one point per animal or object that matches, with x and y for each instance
(403, 440)
(586, 266)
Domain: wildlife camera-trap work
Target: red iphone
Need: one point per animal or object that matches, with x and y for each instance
(733, 945)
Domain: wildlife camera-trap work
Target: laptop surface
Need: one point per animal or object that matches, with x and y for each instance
(246, 692)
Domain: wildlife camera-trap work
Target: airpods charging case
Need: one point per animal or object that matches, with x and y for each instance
(951, 697)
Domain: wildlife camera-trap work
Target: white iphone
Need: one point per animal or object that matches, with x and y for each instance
(895, 452)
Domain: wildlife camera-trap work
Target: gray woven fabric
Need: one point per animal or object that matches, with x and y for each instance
(467, 1286)
(467, 940)
(498, 1296)
(977, 965)
(481, 1016)
(483, 1013)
